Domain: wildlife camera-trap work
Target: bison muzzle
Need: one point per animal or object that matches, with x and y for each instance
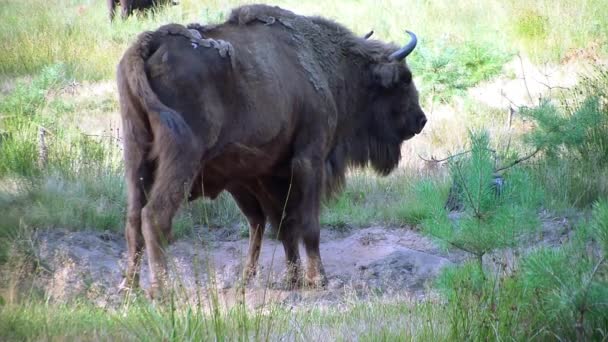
(272, 107)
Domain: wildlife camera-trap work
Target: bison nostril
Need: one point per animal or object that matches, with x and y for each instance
(421, 122)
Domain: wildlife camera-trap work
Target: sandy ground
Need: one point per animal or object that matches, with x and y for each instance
(360, 263)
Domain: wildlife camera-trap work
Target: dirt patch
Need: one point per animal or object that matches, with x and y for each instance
(360, 263)
(363, 262)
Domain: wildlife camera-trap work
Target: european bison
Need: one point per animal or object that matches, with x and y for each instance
(128, 6)
(270, 106)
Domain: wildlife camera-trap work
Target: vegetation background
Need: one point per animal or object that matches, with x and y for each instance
(60, 166)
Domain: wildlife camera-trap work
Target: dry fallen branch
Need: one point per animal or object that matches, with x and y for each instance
(103, 136)
(517, 161)
(502, 168)
(435, 160)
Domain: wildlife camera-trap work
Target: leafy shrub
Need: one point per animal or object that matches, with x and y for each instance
(493, 215)
(573, 134)
(567, 287)
(555, 292)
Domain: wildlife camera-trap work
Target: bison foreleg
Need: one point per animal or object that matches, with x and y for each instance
(307, 178)
(292, 256)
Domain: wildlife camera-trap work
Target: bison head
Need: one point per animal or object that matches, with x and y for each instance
(396, 115)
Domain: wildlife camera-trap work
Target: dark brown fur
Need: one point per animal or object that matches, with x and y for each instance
(276, 119)
(128, 6)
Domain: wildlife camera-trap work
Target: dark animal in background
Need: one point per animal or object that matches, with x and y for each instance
(270, 106)
(128, 6)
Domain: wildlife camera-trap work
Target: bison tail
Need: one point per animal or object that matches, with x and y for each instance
(166, 125)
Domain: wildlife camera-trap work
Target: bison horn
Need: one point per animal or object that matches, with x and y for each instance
(368, 34)
(400, 54)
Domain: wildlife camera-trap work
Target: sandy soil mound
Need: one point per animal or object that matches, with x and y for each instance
(360, 263)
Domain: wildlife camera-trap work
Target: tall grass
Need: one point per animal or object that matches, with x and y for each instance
(553, 30)
(36, 33)
(369, 321)
(396, 200)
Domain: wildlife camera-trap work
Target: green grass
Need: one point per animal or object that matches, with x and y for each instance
(370, 199)
(79, 34)
(141, 321)
(551, 30)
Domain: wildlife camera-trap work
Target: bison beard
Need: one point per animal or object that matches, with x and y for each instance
(270, 106)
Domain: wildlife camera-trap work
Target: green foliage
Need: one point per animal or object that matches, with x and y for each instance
(494, 215)
(566, 292)
(449, 69)
(530, 24)
(581, 134)
(567, 287)
(20, 121)
(573, 135)
(599, 224)
(556, 292)
(470, 307)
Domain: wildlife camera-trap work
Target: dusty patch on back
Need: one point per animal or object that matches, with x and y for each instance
(303, 30)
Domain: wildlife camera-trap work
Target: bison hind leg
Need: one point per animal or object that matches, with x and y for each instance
(251, 208)
(176, 167)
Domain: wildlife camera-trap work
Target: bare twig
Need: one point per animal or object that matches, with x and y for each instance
(502, 168)
(454, 244)
(513, 104)
(517, 161)
(523, 73)
(435, 160)
(550, 87)
(102, 136)
(510, 117)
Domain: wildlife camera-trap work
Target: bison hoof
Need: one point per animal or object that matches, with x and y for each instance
(248, 274)
(128, 285)
(156, 294)
(292, 279)
(316, 282)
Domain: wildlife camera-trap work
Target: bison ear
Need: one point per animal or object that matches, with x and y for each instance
(389, 75)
